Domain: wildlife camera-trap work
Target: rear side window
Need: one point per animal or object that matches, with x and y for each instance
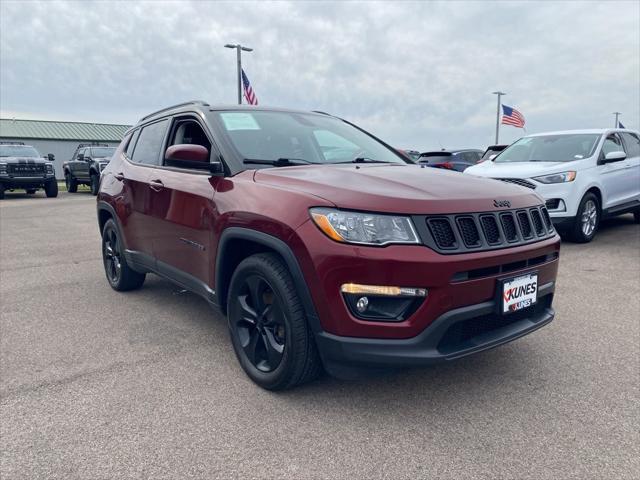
(632, 143)
(149, 144)
(132, 143)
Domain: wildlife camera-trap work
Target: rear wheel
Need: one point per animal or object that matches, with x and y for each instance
(70, 182)
(30, 191)
(268, 326)
(120, 275)
(51, 189)
(587, 220)
(95, 184)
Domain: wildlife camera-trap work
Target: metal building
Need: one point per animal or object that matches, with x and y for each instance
(59, 138)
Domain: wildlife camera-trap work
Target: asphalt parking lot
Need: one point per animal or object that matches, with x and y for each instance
(97, 384)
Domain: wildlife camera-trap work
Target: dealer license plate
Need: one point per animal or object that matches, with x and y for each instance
(519, 292)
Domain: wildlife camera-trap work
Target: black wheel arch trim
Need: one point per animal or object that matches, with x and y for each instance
(282, 249)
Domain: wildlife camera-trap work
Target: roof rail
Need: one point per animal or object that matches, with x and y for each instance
(200, 103)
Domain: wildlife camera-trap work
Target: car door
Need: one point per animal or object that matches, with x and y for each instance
(182, 211)
(142, 154)
(83, 167)
(632, 166)
(612, 173)
(76, 161)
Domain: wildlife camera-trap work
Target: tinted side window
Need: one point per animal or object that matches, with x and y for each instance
(149, 143)
(633, 144)
(132, 143)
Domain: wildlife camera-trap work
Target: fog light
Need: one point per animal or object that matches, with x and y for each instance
(361, 304)
(382, 303)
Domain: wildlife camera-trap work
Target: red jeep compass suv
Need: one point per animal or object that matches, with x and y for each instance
(323, 245)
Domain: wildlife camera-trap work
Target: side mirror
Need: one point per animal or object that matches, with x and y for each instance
(614, 156)
(191, 156)
(51, 157)
(81, 156)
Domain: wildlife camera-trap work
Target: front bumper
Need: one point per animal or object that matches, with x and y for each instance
(455, 334)
(26, 181)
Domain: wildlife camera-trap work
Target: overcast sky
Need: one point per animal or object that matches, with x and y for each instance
(418, 74)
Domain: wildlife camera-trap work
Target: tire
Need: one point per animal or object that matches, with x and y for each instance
(70, 182)
(119, 274)
(587, 220)
(51, 189)
(268, 326)
(1, 192)
(30, 191)
(636, 216)
(95, 184)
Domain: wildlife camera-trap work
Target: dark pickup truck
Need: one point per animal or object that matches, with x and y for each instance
(85, 166)
(23, 168)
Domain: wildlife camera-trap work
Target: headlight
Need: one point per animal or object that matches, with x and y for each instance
(3, 168)
(49, 168)
(562, 177)
(364, 228)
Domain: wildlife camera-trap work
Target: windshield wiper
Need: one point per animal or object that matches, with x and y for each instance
(365, 160)
(281, 162)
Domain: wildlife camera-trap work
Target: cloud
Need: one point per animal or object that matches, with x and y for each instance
(418, 74)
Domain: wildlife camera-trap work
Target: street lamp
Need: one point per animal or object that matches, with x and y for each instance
(617, 114)
(499, 94)
(239, 48)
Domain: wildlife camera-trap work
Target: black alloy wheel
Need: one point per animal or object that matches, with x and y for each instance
(120, 275)
(268, 326)
(260, 327)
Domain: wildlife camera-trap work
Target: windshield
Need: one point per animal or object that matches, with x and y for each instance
(99, 152)
(550, 148)
(18, 151)
(306, 138)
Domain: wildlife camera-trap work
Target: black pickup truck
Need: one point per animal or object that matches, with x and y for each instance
(23, 168)
(85, 166)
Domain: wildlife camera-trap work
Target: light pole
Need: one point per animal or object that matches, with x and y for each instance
(499, 94)
(239, 48)
(616, 114)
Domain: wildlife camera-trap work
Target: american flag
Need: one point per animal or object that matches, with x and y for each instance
(511, 116)
(249, 95)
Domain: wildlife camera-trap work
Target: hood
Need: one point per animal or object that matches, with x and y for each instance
(518, 169)
(410, 189)
(29, 160)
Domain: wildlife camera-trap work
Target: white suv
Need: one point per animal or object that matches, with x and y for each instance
(583, 175)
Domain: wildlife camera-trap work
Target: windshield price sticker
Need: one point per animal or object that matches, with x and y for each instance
(239, 121)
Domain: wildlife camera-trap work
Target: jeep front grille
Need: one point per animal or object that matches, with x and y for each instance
(484, 230)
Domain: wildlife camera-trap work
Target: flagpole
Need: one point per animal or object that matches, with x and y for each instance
(616, 114)
(499, 94)
(239, 49)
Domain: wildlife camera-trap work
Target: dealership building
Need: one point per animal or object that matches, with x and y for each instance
(59, 138)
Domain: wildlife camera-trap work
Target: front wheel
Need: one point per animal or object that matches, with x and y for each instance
(587, 220)
(51, 189)
(70, 182)
(95, 184)
(268, 326)
(120, 275)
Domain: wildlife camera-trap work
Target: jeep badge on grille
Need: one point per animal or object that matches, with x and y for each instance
(501, 203)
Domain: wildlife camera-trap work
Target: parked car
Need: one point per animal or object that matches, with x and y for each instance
(584, 175)
(85, 166)
(491, 152)
(458, 160)
(320, 261)
(23, 168)
(412, 154)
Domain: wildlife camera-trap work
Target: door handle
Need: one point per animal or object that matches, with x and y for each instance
(156, 185)
(119, 176)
